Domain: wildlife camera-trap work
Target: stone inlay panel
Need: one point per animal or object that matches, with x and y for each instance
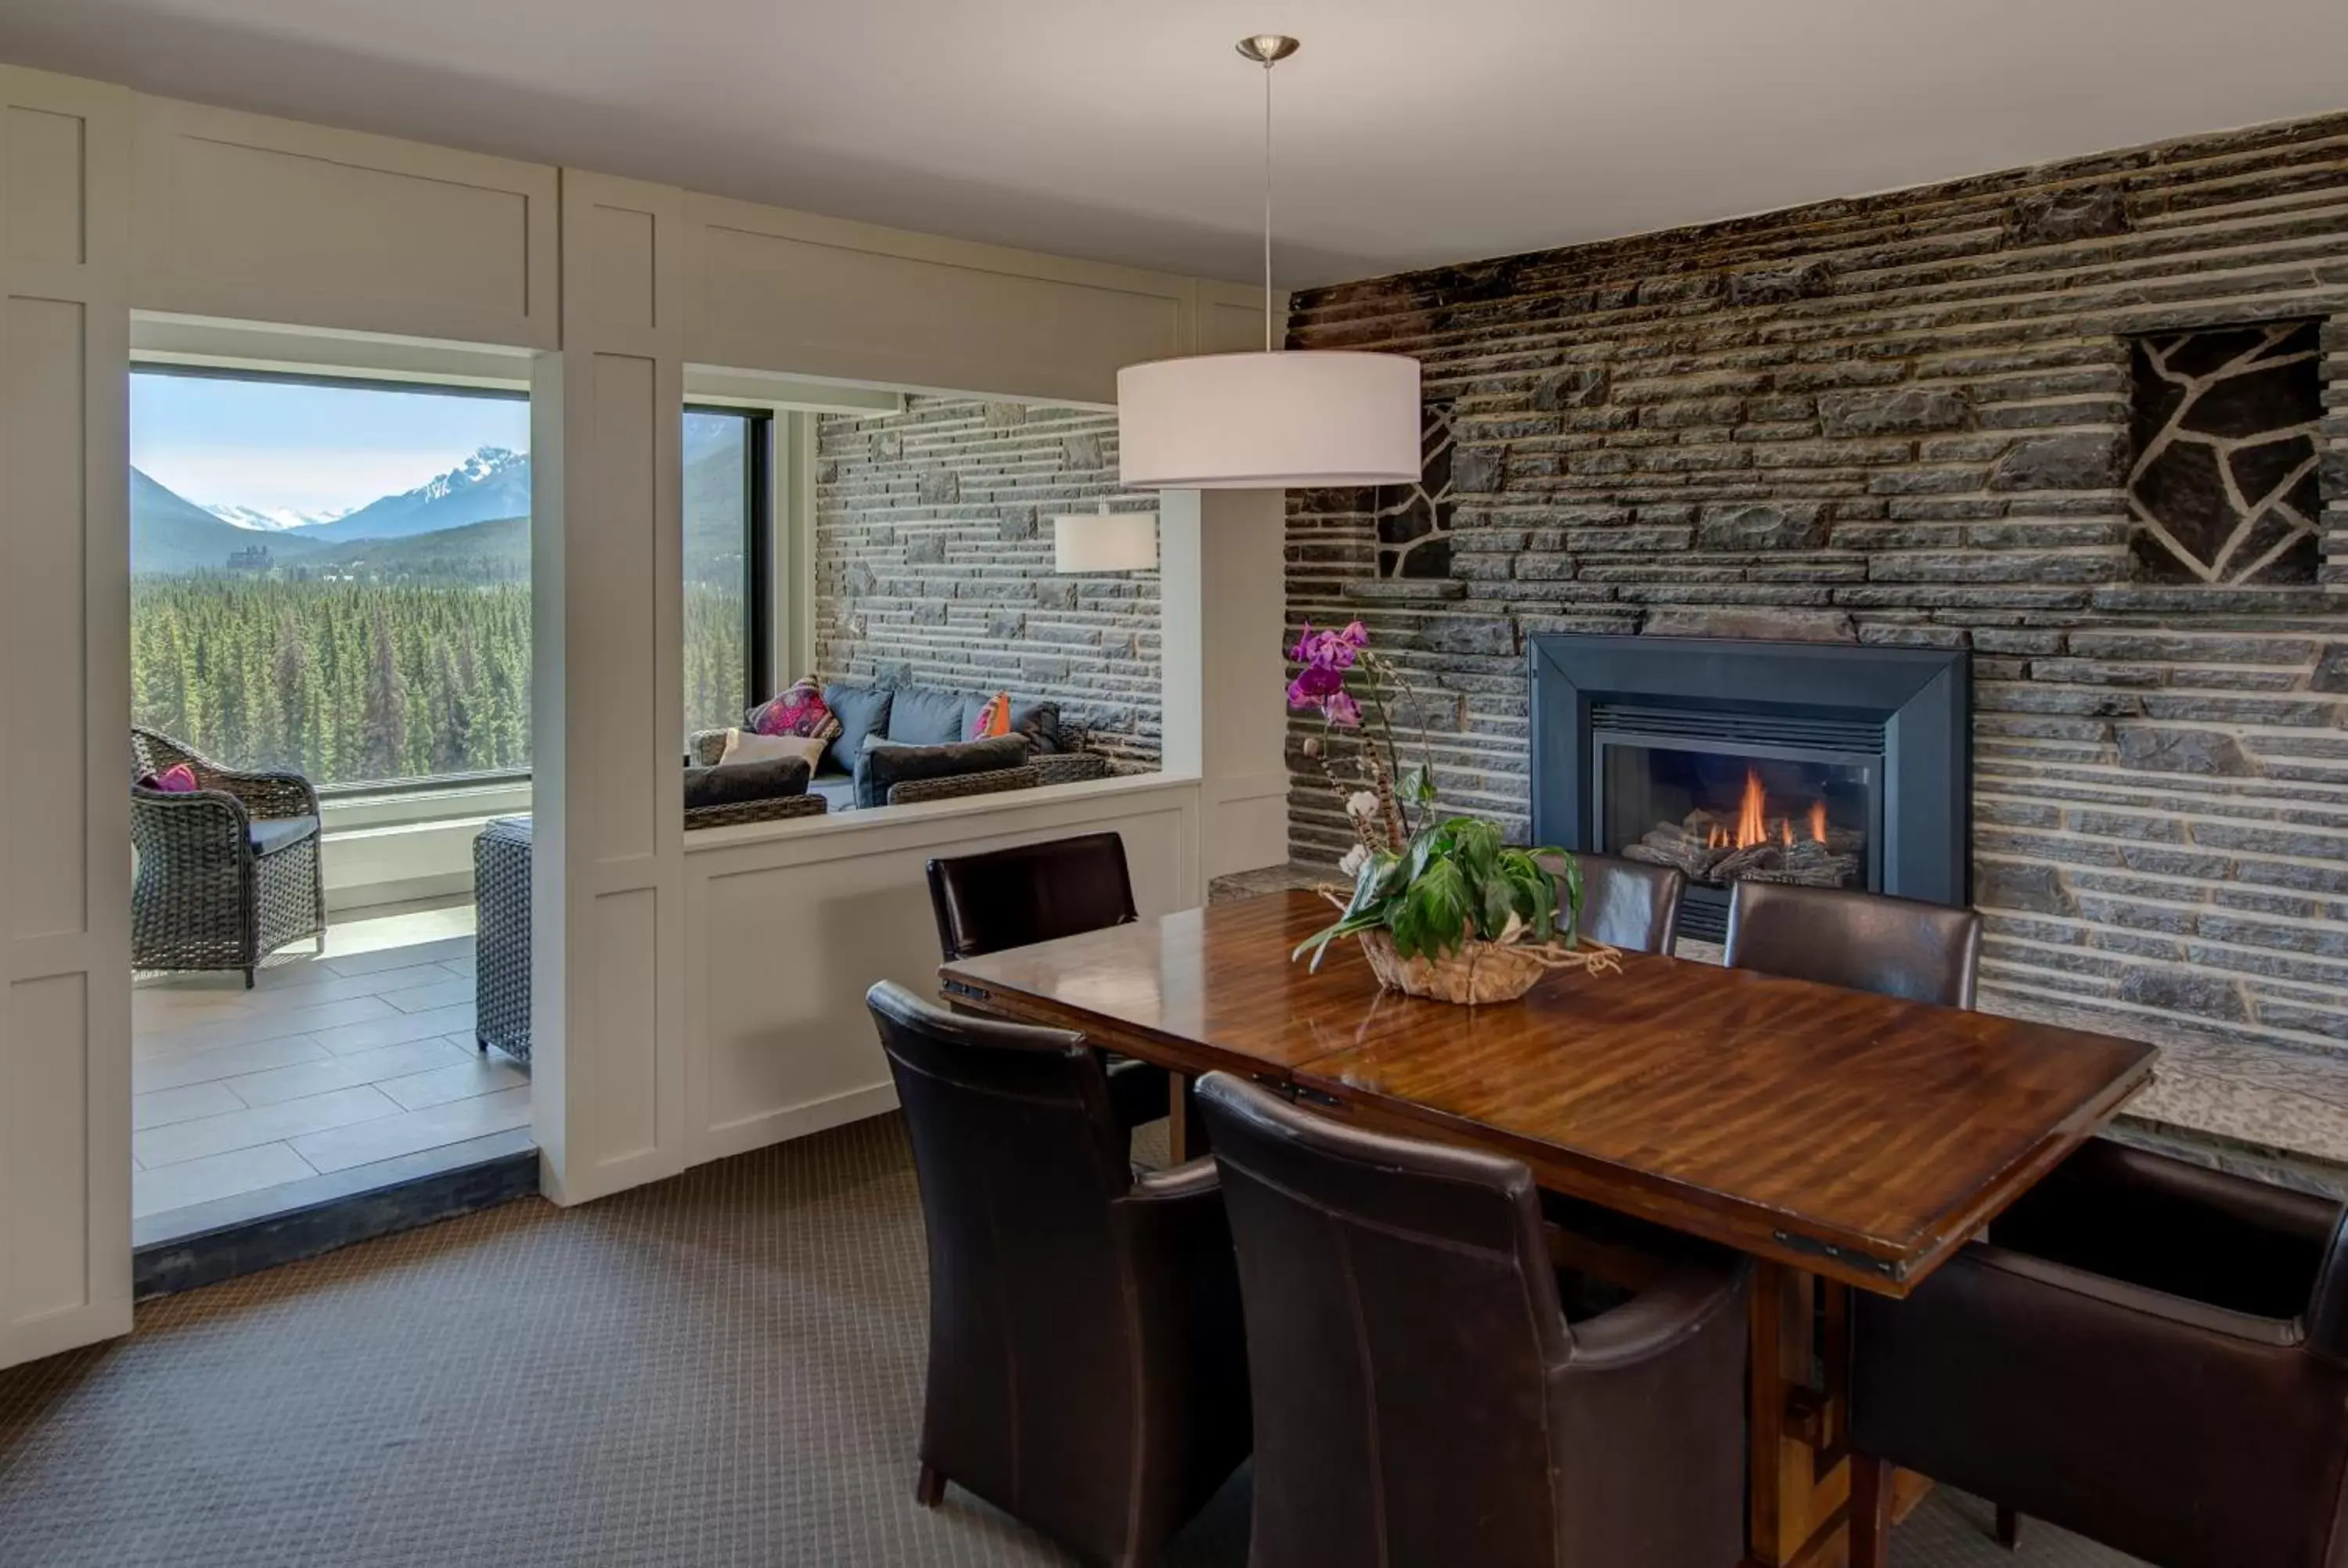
(934, 562)
(1911, 420)
(1414, 520)
(2226, 479)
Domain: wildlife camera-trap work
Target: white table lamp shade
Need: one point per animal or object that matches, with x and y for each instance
(1269, 421)
(1085, 542)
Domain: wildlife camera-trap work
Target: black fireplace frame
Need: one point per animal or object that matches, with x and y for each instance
(1922, 697)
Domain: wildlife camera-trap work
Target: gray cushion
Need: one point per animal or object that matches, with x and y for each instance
(1039, 722)
(883, 766)
(861, 711)
(926, 716)
(738, 784)
(273, 834)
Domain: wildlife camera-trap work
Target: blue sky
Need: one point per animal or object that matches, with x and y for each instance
(284, 447)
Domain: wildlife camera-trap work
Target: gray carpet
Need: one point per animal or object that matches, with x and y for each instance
(724, 1368)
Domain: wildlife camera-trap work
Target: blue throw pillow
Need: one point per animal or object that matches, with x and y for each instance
(925, 716)
(861, 711)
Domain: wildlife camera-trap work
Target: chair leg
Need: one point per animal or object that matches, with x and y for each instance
(1870, 1512)
(248, 979)
(2009, 1527)
(481, 1043)
(929, 1486)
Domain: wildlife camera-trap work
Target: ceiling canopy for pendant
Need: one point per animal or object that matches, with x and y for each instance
(1272, 420)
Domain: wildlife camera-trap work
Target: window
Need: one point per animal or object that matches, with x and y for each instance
(728, 609)
(331, 575)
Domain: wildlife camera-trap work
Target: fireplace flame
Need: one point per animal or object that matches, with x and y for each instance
(1818, 820)
(1752, 818)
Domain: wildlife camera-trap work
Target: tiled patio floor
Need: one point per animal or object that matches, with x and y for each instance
(334, 1061)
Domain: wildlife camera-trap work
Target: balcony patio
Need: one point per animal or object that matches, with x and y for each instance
(339, 1073)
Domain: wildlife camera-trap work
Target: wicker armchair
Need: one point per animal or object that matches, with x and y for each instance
(953, 786)
(1069, 767)
(774, 808)
(502, 852)
(228, 873)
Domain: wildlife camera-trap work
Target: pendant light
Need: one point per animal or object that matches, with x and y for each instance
(1087, 542)
(1272, 420)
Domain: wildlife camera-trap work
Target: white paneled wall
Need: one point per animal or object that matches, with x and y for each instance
(662, 1037)
(1220, 563)
(607, 584)
(252, 219)
(821, 296)
(784, 932)
(65, 709)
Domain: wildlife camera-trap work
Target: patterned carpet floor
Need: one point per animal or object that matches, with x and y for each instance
(724, 1368)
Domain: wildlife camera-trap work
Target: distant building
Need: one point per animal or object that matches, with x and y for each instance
(252, 558)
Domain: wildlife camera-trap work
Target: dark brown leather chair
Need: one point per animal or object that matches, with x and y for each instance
(1037, 893)
(1030, 893)
(2145, 1352)
(1419, 1396)
(1862, 941)
(1088, 1373)
(1627, 905)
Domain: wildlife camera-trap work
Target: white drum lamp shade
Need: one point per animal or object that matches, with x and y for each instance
(1269, 421)
(1085, 542)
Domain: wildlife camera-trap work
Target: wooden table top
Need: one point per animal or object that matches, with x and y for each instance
(1856, 1135)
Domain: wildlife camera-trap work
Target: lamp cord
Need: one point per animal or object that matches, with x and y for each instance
(1267, 205)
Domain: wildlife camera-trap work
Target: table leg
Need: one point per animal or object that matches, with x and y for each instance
(1800, 1482)
(1870, 1512)
(1811, 1499)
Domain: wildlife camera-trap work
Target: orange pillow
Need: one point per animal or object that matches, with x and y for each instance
(994, 719)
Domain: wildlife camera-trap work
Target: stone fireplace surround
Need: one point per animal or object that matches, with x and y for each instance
(1913, 421)
(1896, 715)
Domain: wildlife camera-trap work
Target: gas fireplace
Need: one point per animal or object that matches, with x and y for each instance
(1781, 831)
(1829, 766)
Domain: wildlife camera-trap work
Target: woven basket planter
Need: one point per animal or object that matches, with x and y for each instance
(1480, 973)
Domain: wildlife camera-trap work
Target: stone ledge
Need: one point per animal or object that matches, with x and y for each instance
(1405, 589)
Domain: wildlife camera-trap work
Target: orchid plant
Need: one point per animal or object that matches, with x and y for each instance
(1387, 806)
(1431, 885)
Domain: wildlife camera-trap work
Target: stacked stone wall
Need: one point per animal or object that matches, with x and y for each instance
(934, 562)
(1906, 421)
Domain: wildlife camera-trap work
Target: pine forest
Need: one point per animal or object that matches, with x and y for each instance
(350, 682)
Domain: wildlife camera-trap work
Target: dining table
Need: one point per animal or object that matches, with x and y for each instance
(1841, 1139)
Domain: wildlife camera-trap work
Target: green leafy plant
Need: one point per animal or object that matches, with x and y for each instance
(1455, 882)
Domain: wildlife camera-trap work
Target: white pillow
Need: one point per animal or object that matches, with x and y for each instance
(749, 746)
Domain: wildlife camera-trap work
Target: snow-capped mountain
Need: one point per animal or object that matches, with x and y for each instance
(276, 519)
(492, 483)
(171, 534)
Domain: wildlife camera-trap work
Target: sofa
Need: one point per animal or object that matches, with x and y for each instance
(902, 744)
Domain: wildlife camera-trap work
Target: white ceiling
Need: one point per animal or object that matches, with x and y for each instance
(1410, 133)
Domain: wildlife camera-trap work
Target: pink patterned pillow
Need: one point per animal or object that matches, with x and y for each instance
(801, 711)
(178, 779)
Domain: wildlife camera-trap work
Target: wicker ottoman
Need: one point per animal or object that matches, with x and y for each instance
(501, 936)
